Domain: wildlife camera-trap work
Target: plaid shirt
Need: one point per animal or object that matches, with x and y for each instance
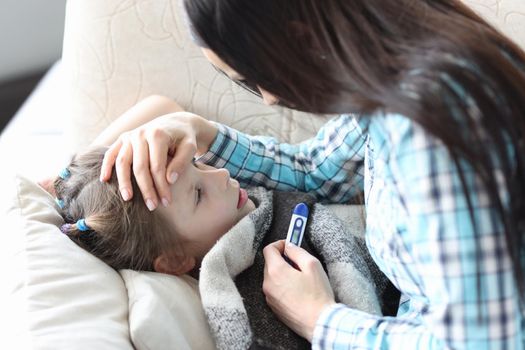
(419, 231)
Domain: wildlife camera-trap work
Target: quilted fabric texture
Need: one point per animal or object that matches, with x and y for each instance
(506, 15)
(119, 51)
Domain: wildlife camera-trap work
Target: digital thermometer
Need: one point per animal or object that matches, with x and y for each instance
(297, 224)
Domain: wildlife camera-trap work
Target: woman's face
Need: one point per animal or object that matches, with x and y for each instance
(267, 97)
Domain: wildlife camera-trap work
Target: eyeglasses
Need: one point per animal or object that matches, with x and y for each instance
(245, 84)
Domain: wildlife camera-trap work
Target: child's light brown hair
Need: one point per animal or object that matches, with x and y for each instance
(124, 234)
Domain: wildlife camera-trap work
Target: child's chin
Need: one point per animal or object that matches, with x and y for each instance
(249, 206)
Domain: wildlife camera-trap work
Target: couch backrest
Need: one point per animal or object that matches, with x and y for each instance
(119, 51)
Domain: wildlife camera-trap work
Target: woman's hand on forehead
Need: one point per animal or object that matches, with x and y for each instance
(157, 152)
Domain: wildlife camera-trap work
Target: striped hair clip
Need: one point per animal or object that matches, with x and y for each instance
(60, 203)
(64, 173)
(81, 225)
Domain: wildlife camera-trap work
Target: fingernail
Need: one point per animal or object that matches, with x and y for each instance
(125, 194)
(150, 205)
(173, 177)
(165, 202)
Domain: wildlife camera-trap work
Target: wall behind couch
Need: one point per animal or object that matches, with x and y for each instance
(30, 36)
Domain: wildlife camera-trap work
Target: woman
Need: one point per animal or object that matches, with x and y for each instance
(437, 146)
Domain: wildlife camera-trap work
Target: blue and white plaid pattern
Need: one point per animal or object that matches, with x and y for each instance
(329, 166)
(419, 232)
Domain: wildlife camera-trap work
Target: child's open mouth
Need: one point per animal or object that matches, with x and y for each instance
(243, 198)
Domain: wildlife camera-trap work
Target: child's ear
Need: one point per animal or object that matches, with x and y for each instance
(173, 265)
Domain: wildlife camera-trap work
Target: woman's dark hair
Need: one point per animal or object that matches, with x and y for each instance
(434, 61)
(123, 234)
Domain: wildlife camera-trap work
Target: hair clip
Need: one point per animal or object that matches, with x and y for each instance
(64, 173)
(82, 225)
(60, 203)
(65, 228)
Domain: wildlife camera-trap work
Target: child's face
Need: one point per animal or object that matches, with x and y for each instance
(206, 204)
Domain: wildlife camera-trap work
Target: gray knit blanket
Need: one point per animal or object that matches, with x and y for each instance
(231, 274)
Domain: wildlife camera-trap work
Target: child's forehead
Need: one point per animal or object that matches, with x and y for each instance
(182, 194)
(186, 179)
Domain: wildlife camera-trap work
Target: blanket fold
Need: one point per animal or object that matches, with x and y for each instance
(231, 274)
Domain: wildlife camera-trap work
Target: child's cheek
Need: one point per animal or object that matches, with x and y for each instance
(227, 218)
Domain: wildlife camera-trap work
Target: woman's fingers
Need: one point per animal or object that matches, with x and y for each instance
(141, 170)
(123, 171)
(158, 157)
(184, 154)
(301, 257)
(146, 150)
(297, 297)
(273, 253)
(110, 157)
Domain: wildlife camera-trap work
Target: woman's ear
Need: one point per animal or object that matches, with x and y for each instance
(173, 264)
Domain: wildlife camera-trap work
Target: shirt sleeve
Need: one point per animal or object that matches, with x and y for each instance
(435, 261)
(340, 327)
(329, 165)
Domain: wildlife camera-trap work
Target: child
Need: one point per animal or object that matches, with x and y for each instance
(215, 231)
(126, 234)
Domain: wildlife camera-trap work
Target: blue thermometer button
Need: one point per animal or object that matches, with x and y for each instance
(301, 209)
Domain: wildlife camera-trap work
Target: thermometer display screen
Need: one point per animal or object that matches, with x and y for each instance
(296, 234)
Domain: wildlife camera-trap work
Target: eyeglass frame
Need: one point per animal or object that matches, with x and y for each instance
(254, 89)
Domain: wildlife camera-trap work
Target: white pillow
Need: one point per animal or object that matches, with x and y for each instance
(165, 312)
(58, 295)
(55, 295)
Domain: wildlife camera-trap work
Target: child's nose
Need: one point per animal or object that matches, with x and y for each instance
(222, 177)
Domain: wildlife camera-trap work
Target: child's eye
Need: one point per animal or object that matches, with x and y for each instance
(198, 194)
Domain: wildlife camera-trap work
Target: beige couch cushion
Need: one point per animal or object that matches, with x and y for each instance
(506, 15)
(117, 52)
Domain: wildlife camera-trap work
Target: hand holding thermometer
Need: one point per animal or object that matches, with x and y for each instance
(297, 227)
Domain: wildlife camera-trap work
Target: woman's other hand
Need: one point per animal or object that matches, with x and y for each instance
(157, 152)
(296, 296)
